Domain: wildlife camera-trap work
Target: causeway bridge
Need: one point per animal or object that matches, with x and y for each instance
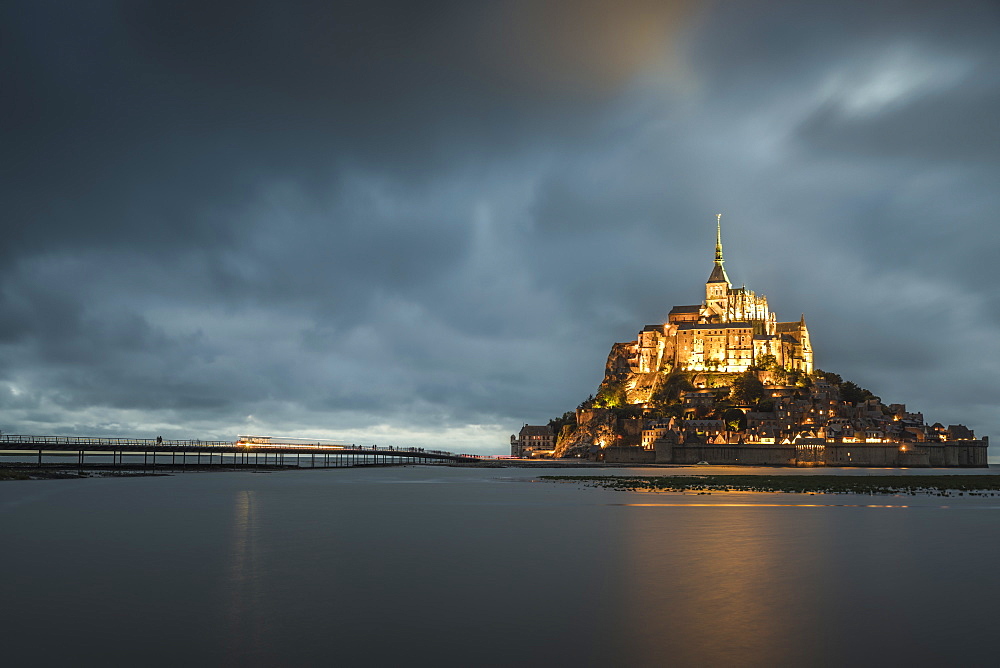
(247, 452)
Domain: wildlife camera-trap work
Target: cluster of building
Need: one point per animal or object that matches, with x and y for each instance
(813, 412)
(810, 425)
(807, 422)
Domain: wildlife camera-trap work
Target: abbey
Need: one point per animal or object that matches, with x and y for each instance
(723, 382)
(730, 331)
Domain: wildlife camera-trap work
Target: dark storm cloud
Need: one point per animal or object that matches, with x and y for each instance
(384, 220)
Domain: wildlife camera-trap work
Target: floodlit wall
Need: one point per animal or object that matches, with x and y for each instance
(739, 455)
(627, 454)
(958, 454)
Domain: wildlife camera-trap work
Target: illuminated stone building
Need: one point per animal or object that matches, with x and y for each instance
(532, 439)
(731, 330)
(682, 374)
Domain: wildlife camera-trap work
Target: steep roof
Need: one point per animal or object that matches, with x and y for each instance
(535, 430)
(718, 271)
(718, 274)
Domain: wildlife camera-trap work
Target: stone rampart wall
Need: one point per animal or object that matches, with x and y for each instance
(740, 455)
(958, 454)
(624, 454)
(862, 454)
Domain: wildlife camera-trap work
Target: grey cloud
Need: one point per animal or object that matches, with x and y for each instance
(378, 218)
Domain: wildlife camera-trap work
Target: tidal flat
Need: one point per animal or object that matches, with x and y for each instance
(937, 485)
(456, 566)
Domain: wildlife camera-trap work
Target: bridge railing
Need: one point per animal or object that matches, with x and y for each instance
(33, 442)
(18, 439)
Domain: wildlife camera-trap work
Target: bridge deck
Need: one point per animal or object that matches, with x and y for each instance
(15, 442)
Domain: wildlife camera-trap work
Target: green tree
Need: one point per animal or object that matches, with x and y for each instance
(849, 391)
(832, 378)
(611, 395)
(854, 394)
(735, 419)
(661, 410)
(747, 389)
(798, 379)
(670, 388)
(557, 424)
(767, 362)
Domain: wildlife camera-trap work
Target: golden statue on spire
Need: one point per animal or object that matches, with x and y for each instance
(718, 238)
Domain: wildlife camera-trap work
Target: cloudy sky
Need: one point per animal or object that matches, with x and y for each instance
(427, 223)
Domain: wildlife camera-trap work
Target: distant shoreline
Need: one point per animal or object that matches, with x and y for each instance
(65, 473)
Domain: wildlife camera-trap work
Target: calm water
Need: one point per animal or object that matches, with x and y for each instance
(478, 567)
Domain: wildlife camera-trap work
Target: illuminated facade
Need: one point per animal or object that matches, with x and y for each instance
(730, 331)
(532, 439)
(683, 373)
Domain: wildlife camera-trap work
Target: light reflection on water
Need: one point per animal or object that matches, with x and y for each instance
(246, 627)
(380, 567)
(704, 592)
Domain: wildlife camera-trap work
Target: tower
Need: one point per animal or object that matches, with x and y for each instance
(717, 287)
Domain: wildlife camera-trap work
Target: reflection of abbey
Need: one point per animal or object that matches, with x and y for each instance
(728, 332)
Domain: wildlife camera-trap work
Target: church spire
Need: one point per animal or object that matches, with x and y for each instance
(718, 272)
(718, 239)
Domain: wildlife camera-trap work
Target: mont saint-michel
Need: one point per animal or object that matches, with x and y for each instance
(724, 382)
